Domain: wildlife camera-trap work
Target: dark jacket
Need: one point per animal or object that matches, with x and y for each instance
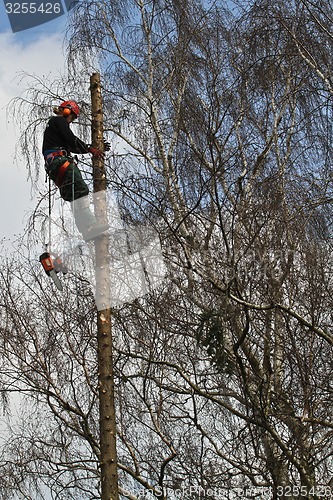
(58, 135)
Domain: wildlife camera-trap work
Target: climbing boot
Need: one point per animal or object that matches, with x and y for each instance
(85, 219)
(95, 231)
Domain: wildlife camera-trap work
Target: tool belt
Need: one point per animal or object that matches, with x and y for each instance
(49, 157)
(51, 154)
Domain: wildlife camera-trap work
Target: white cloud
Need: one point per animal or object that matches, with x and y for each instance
(43, 56)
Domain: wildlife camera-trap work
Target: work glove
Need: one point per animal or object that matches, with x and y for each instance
(96, 152)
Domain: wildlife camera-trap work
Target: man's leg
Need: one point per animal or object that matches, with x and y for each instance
(75, 190)
(73, 185)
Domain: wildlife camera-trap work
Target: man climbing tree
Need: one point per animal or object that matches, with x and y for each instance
(58, 144)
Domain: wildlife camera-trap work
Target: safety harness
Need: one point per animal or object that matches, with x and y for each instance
(49, 157)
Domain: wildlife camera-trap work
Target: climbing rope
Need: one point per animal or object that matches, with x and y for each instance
(48, 245)
(77, 289)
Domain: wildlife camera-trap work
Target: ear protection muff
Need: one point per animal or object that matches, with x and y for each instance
(66, 112)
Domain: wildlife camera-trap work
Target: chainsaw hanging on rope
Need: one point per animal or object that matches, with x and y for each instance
(52, 266)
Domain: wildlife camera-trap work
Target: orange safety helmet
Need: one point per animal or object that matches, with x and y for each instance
(71, 106)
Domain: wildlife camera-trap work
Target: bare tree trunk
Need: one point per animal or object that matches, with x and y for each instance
(108, 453)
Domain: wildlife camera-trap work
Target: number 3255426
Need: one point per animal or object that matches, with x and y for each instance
(33, 8)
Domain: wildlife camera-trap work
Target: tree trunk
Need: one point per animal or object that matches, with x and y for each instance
(108, 453)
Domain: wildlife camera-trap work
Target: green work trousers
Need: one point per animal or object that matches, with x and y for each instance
(73, 185)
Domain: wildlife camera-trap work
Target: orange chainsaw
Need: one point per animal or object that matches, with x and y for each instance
(52, 266)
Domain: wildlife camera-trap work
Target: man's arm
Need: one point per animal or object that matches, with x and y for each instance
(71, 142)
(74, 144)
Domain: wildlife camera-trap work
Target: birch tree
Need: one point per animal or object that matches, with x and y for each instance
(228, 128)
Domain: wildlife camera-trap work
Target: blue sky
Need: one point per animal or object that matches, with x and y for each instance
(4, 23)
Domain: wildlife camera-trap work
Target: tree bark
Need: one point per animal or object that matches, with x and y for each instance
(108, 453)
